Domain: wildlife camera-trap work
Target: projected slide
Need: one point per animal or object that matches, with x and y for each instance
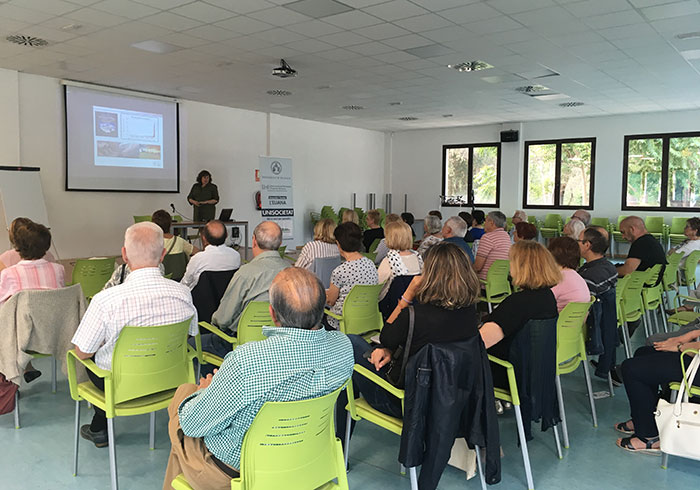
(126, 138)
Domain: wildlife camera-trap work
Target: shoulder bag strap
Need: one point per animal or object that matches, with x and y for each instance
(686, 383)
(172, 245)
(409, 339)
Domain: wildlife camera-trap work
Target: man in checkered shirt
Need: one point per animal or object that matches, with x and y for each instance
(145, 299)
(298, 360)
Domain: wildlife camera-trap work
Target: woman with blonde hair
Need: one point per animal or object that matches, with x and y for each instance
(382, 249)
(350, 215)
(323, 245)
(400, 259)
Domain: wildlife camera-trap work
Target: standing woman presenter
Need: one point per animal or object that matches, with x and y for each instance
(203, 197)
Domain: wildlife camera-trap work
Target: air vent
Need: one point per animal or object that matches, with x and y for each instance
(571, 104)
(531, 89)
(353, 107)
(408, 118)
(467, 66)
(279, 93)
(27, 40)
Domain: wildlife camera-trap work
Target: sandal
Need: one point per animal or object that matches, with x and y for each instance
(626, 444)
(622, 428)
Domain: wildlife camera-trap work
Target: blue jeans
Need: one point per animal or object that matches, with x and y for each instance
(377, 397)
(214, 345)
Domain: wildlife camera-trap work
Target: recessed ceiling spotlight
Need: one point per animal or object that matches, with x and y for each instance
(279, 93)
(467, 66)
(27, 40)
(571, 104)
(408, 118)
(529, 89)
(353, 107)
(395, 103)
(447, 115)
(688, 35)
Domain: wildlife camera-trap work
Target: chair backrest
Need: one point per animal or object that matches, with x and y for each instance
(671, 271)
(361, 309)
(653, 289)
(292, 445)
(255, 316)
(175, 264)
(207, 294)
(604, 222)
(571, 336)
(552, 220)
(654, 224)
(398, 286)
(150, 360)
(373, 246)
(370, 255)
(282, 250)
(497, 283)
(139, 219)
(678, 225)
(691, 263)
(323, 268)
(92, 274)
(631, 304)
(532, 220)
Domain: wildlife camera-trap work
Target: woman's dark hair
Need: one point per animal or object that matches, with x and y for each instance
(32, 241)
(694, 224)
(435, 212)
(203, 173)
(163, 219)
(566, 252)
(16, 224)
(468, 218)
(408, 218)
(525, 230)
(479, 216)
(349, 236)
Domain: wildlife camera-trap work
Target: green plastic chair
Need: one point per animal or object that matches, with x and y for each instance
(687, 276)
(602, 222)
(630, 306)
(148, 365)
(92, 274)
(509, 224)
(669, 280)
(175, 265)
(676, 231)
(652, 297)
(496, 286)
(552, 226)
(617, 237)
(373, 246)
(692, 391)
(140, 219)
(571, 352)
(255, 316)
(370, 255)
(656, 228)
(291, 446)
(361, 314)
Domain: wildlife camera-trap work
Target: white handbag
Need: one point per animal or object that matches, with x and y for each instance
(679, 422)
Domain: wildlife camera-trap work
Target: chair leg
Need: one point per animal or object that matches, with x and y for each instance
(490, 308)
(414, 478)
(589, 388)
(562, 412)
(77, 438)
(152, 432)
(112, 454)
(17, 426)
(626, 339)
(645, 321)
(523, 447)
(53, 375)
(402, 469)
(611, 387)
(480, 467)
(347, 439)
(664, 319)
(557, 443)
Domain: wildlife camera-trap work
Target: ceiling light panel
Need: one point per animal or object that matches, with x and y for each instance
(318, 8)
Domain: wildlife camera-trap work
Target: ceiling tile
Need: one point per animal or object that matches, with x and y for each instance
(358, 4)
(203, 12)
(182, 40)
(588, 8)
(55, 7)
(313, 28)
(125, 8)
(470, 13)
(343, 39)
(495, 25)
(544, 16)
(517, 6)
(407, 42)
(280, 36)
(279, 16)
(310, 46)
(352, 20)
(430, 51)
(13, 12)
(648, 3)
(372, 48)
(317, 8)
(94, 17)
(671, 10)
(211, 33)
(244, 25)
(395, 10)
(239, 6)
(382, 31)
(449, 34)
(171, 21)
(626, 17)
(395, 57)
(161, 4)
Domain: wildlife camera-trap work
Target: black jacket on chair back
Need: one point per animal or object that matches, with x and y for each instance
(208, 292)
(449, 394)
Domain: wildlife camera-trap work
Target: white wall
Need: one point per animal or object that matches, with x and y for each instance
(330, 162)
(417, 157)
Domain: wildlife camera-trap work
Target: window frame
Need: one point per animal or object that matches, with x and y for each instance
(557, 172)
(665, 163)
(470, 174)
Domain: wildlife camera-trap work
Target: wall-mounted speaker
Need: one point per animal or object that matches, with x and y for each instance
(509, 136)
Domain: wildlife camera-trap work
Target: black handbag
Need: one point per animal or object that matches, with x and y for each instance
(396, 374)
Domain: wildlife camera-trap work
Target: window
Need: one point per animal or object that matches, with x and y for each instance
(471, 175)
(662, 172)
(559, 174)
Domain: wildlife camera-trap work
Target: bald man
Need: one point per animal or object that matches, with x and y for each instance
(297, 361)
(250, 283)
(645, 250)
(215, 257)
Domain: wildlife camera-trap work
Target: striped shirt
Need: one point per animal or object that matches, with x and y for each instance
(291, 364)
(316, 250)
(145, 299)
(493, 246)
(30, 274)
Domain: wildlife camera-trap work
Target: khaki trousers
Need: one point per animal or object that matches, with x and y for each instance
(190, 456)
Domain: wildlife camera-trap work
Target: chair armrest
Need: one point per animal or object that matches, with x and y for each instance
(71, 358)
(378, 380)
(216, 331)
(510, 371)
(332, 315)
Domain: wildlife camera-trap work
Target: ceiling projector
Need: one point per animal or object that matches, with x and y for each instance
(284, 70)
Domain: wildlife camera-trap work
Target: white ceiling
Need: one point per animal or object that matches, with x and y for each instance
(615, 56)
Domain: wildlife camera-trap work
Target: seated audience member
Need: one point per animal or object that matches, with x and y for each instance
(298, 360)
(216, 256)
(573, 228)
(350, 215)
(432, 226)
(445, 312)
(12, 257)
(322, 246)
(453, 231)
(524, 231)
(601, 277)
(645, 250)
(583, 216)
(572, 287)
(519, 216)
(375, 231)
(173, 244)
(250, 283)
(468, 219)
(494, 244)
(436, 213)
(691, 244)
(145, 299)
(477, 226)
(409, 219)
(382, 248)
(650, 368)
(31, 241)
(357, 269)
(400, 259)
